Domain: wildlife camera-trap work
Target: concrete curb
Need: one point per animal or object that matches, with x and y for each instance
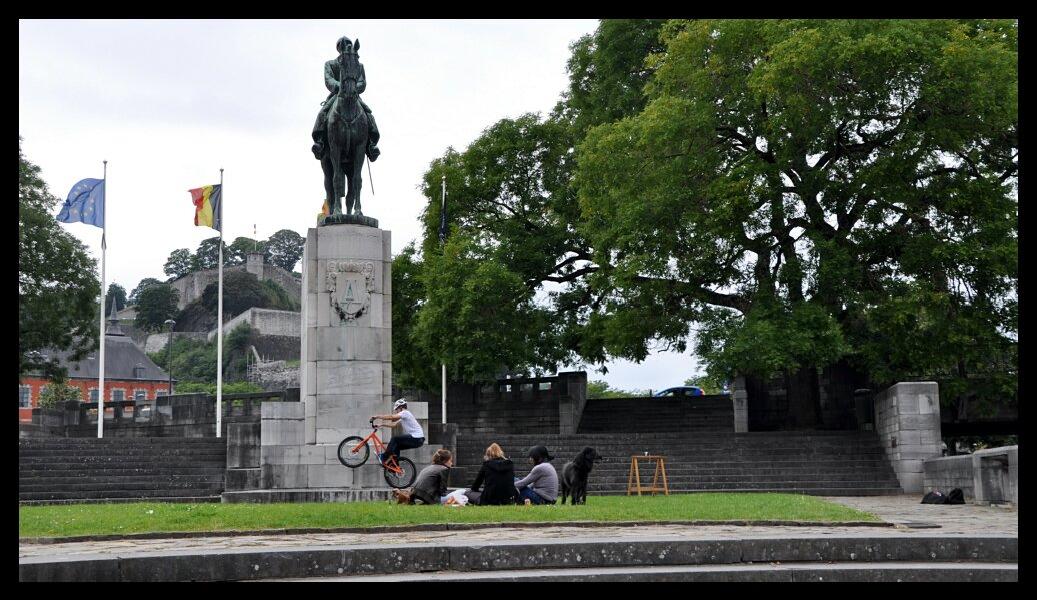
(346, 560)
(433, 527)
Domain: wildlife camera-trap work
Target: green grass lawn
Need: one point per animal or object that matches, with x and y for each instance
(102, 519)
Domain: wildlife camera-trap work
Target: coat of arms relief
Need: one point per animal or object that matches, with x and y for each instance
(350, 283)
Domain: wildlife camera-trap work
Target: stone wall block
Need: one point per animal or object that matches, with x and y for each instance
(284, 476)
(376, 313)
(356, 243)
(911, 480)
(353, 377)
(929, 404)
(279, 455)
(282, 432)
(352, 343)
(311, 455)
(334, 435)
(909, 438)
(310, 430)
(329, 476)
(908, 405)
(419, 410)
(324, 312)
(913, 465)
(243, 445)
(283, 410)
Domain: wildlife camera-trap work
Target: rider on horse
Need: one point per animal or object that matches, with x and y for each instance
(320, 128)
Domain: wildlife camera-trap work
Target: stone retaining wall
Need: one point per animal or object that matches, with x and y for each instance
(990, 475)
(907, 419)
(949, 472)
(517, 405)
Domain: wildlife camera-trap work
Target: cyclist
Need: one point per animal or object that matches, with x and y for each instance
(413, 435)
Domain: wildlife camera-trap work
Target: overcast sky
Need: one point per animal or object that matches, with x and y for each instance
(169, 102)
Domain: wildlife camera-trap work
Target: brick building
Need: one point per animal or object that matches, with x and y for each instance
(128, 374)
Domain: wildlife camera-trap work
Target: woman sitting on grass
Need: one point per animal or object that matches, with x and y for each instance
(540, 486)
(430, 486)
(499, 474)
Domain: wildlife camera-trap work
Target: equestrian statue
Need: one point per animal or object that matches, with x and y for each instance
(345, 131)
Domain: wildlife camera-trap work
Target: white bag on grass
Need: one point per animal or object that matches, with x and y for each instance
(459, 498)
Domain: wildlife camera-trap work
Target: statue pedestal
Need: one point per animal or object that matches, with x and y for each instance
(345, 363)
(345, 373)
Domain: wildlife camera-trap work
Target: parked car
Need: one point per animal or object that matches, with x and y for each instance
(680, 392)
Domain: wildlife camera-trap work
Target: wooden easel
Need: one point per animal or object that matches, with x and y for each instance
(634, 479)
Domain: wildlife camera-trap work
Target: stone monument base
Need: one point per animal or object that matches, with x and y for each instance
(344, 219)
(292, 470)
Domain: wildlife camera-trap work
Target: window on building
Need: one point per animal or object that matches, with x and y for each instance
(118, 395)
(24, 396)
(93, 394)
(140, 394)
(138, 372)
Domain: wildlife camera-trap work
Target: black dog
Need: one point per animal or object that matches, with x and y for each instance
(574, 475)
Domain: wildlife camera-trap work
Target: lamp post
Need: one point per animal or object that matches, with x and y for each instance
(169, 355)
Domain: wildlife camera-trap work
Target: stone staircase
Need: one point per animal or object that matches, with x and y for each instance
(657, 415)
(816, 462)
(65, 470)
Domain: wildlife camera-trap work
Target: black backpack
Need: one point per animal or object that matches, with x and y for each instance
(934, 497)
(956, 496)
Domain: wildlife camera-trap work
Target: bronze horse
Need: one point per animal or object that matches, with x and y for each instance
(347, 137)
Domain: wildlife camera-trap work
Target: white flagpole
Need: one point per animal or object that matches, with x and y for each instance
(219, 324)
(100, 370)
(443, 208)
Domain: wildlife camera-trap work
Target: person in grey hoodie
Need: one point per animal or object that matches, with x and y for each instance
(430, 486)
(540, 486)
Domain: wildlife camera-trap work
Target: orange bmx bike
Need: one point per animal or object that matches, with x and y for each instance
(354, 451)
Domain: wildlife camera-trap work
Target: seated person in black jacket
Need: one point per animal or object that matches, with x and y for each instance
(499, 475)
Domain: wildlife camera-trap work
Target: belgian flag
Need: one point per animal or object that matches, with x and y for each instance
(207, 209)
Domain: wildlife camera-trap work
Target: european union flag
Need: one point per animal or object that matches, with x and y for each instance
(85, 203)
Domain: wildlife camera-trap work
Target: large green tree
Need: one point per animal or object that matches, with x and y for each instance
(58, 291)
(413, 364)
(207, 255)
(241, 247)
(144, 283)
(179, 263)
(810, 191)
(781, 194)
(155, 304)
(285, 248)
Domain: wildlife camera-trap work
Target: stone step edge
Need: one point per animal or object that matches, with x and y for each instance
(346, 559)
(439, 527)
(943, 571)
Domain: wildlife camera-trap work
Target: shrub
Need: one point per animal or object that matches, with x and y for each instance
(54, 395)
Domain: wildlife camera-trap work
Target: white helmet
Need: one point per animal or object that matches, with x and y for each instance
(398, 404)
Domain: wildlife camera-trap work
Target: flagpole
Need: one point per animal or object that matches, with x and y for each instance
(443, 210)
(100, 371)
(219, 325)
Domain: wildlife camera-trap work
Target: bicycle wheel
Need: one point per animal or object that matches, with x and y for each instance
(404, 479)
(348, 457)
